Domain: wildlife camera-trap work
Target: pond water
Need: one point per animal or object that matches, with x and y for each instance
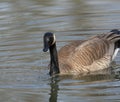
(23, 66)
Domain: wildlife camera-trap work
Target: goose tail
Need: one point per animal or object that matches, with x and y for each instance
(113, 36)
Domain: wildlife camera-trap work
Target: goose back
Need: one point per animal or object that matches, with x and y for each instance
(87, 56)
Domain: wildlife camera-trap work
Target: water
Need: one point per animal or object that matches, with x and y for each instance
(23, 66)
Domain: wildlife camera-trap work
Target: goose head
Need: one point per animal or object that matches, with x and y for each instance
(49, 40)
(50, 44)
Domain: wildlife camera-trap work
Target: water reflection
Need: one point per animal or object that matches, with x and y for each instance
(86, 86)
(54, 89)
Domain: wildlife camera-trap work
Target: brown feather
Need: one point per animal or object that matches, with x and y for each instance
(86, 56)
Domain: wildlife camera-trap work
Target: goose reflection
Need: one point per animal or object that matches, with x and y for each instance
(54, 89)
(95, 78)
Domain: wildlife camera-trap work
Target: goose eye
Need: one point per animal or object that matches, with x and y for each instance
(48, 40)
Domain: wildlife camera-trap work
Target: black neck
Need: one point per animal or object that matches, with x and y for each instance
(54, 65)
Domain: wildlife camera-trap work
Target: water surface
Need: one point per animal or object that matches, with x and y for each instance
(23, 66)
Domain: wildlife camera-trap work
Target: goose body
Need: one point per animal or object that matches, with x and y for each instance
(83, 57)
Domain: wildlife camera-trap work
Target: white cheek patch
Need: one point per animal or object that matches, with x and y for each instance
(115, 53)
(54, 39)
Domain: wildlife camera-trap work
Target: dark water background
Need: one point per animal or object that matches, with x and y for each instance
(23, 65)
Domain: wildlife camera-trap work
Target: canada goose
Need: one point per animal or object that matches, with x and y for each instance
(85, 56)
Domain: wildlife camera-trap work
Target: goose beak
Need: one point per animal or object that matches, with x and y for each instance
(46, 47)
